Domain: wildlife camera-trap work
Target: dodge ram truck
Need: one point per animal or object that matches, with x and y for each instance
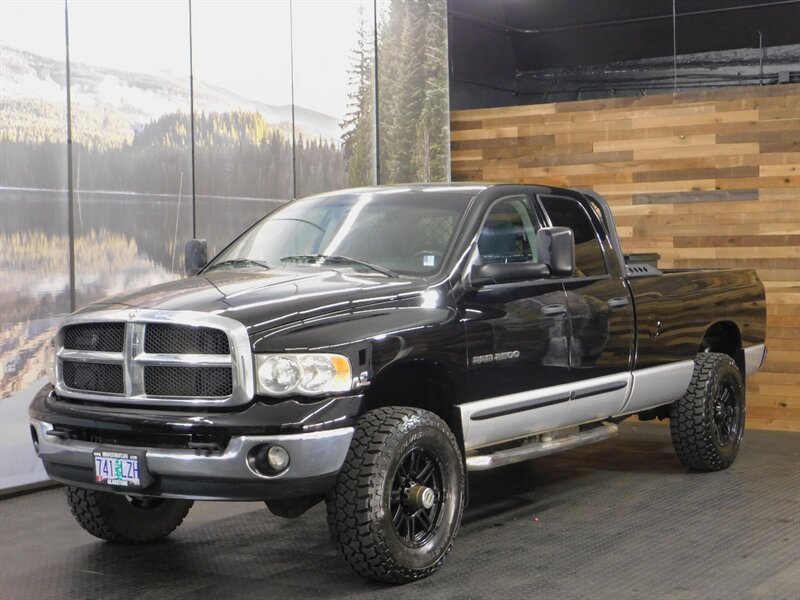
(370, 348)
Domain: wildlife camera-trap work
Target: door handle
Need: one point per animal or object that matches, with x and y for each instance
(618, 302)
(554, 310)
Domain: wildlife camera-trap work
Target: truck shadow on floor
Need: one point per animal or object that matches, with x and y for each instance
(537, 485)
(238, 556)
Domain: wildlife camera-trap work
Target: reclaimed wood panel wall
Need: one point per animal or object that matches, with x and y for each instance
(706, 179)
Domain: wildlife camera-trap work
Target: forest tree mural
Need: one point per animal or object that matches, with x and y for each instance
(413, 105)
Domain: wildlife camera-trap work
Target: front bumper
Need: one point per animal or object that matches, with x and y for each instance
(202, 456)
(316, 457)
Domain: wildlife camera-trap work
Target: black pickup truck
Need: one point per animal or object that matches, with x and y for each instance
(371, 347)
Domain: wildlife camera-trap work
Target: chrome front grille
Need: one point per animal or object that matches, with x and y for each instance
(93, 377)
(188, 381)
(184, 339)
(97, 337)
(154, 358)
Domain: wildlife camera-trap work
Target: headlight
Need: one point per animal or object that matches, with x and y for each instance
(309, 374)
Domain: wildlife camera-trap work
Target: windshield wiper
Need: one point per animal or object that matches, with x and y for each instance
(338, 259)
(239, 262)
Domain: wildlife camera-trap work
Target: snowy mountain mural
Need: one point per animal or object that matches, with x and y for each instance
(131, 133)
(139, 98)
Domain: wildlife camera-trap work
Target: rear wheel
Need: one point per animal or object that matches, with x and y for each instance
(125, 519)
(398, 499)
(707, 423)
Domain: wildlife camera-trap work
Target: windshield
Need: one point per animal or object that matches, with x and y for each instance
(378, 232)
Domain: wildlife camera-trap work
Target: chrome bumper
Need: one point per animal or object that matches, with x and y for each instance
(313, 455)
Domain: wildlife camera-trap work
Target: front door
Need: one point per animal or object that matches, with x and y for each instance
(517, 337)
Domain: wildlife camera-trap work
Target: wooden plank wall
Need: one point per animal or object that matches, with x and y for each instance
(706, 179)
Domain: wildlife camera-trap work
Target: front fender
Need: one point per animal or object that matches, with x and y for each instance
(377, 337)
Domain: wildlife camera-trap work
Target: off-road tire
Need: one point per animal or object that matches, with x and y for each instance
(360, 505)
(692, 418)
(125, 520)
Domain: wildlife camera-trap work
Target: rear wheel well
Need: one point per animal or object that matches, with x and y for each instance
(424, 384)
(724, 337)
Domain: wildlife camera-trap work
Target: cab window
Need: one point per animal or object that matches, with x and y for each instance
(509, 233)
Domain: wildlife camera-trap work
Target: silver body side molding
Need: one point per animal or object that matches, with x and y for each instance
(754, 358)
(659, 385)
(503, 418)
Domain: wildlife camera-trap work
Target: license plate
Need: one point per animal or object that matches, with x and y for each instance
(118, 468)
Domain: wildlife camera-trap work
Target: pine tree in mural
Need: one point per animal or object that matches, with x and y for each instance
(412, 96)
(359, 122)
(389, 96)
(430, 149)
(320, 166)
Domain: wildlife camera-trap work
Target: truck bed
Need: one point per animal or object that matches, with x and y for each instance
(675, 307)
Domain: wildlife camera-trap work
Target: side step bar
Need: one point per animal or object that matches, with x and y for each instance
(483, 462)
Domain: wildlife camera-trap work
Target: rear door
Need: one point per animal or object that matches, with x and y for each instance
(601, 335)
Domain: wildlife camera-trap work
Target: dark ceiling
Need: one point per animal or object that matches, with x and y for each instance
(492, 41)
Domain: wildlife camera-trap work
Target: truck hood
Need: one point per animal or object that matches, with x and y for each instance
(262, 300)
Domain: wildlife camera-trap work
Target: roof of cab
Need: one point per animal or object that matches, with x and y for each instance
(441, 187)
(468, 189)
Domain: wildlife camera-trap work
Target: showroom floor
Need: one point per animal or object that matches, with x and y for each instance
(620, 519)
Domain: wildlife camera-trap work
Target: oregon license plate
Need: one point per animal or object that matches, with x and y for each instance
(118, 468)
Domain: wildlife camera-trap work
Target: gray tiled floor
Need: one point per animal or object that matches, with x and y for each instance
(620, 519)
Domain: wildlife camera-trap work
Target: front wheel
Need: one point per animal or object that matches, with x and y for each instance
(707, 423)
(125, 519)
(398, 499)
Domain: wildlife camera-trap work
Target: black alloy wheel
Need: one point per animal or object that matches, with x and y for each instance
(417, 495)
(726, 410)
(398, 499)
(707, 423)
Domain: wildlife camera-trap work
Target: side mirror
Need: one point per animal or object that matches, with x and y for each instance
(507, 273)
(195, 256)
(555, 247)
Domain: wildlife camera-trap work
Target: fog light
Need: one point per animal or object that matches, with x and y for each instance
(278, 458)
(268, 460)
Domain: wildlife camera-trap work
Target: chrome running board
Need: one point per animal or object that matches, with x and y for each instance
(535, 449)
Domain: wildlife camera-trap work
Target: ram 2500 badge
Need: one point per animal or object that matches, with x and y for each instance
(372, 347)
